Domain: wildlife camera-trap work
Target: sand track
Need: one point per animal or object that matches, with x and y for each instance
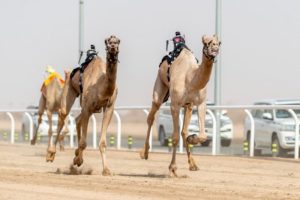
(25, 175)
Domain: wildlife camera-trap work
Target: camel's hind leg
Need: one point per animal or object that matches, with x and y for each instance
(159, 93)
(81, 123)
(187, 117)
(42, 106)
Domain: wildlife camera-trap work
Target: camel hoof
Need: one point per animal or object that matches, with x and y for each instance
(194, 139)
(194, 168)
(50, 157)
(77, 161)
(106, 172)
(145, 152)
(172, 170)
(32, 142)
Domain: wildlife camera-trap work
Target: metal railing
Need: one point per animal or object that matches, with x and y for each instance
(145, 109)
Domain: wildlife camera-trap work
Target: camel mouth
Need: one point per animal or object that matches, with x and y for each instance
(113, 50)
(214, 53)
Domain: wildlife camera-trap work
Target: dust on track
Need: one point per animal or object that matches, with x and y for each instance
(25, 175)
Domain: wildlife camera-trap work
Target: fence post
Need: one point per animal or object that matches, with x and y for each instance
(180, 131)
(150, 137)
(72, 128)
(12, 130)
(252, 133)
(214, 132)
(30, 125)
(94, 132)
(119, 129)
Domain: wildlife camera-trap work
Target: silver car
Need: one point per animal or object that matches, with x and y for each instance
(273, 127)
(165, 127)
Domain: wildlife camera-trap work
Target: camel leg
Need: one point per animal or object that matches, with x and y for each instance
(194, 139)
(107, 115)
(159, 93)
(187, 117)
(67, 100)
(175, 109)
(65, 131)
(81, 123)
(49, 115)
(42, 106)
(78, 129)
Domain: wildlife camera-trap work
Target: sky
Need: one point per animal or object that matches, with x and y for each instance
(259, 52)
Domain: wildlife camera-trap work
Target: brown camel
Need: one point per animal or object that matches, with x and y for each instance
(187, 88)
(50, 101)
(99, 94)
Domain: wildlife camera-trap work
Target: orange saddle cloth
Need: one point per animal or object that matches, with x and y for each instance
(49, 79)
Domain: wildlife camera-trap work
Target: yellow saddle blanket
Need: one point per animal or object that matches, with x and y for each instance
(48, 80)
(51, 77)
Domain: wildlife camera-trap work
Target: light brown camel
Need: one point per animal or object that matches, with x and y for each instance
(187, 87)
(50, 101)
(99, 94)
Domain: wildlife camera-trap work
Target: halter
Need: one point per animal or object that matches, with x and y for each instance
(209, 57)
(112, 57)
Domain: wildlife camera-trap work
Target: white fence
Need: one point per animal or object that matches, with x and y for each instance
(246, 108)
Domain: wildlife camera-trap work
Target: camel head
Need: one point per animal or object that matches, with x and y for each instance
(211, 46)
(112, 44)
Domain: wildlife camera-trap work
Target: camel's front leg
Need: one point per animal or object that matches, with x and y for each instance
(159, 93)
(175, 138)
(83, 122)
(50, 153)
(42, 106)
(107, 115)
(194, 139)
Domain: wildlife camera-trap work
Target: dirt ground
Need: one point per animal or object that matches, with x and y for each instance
(25, 175)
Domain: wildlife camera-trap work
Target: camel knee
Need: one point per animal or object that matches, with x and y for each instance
(102, 146)
(175, 141)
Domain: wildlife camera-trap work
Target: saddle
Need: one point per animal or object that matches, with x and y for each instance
(170, 59)
(82, 68)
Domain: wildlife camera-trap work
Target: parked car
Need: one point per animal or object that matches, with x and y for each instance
(44, 126)
(273, 127)
(165, 126)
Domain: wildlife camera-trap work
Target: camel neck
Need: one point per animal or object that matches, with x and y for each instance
(111, 67)
(203, 72)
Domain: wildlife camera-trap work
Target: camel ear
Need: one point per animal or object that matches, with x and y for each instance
(106, 41)
(205, 39)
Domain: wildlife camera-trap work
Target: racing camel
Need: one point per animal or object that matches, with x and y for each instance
(187, 88)
(99, 93)
(50, 101)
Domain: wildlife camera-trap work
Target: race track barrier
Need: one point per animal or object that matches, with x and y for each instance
(246, 108)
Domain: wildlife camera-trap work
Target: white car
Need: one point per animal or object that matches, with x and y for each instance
(165, 127)
(44, 126)
(273, 127)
